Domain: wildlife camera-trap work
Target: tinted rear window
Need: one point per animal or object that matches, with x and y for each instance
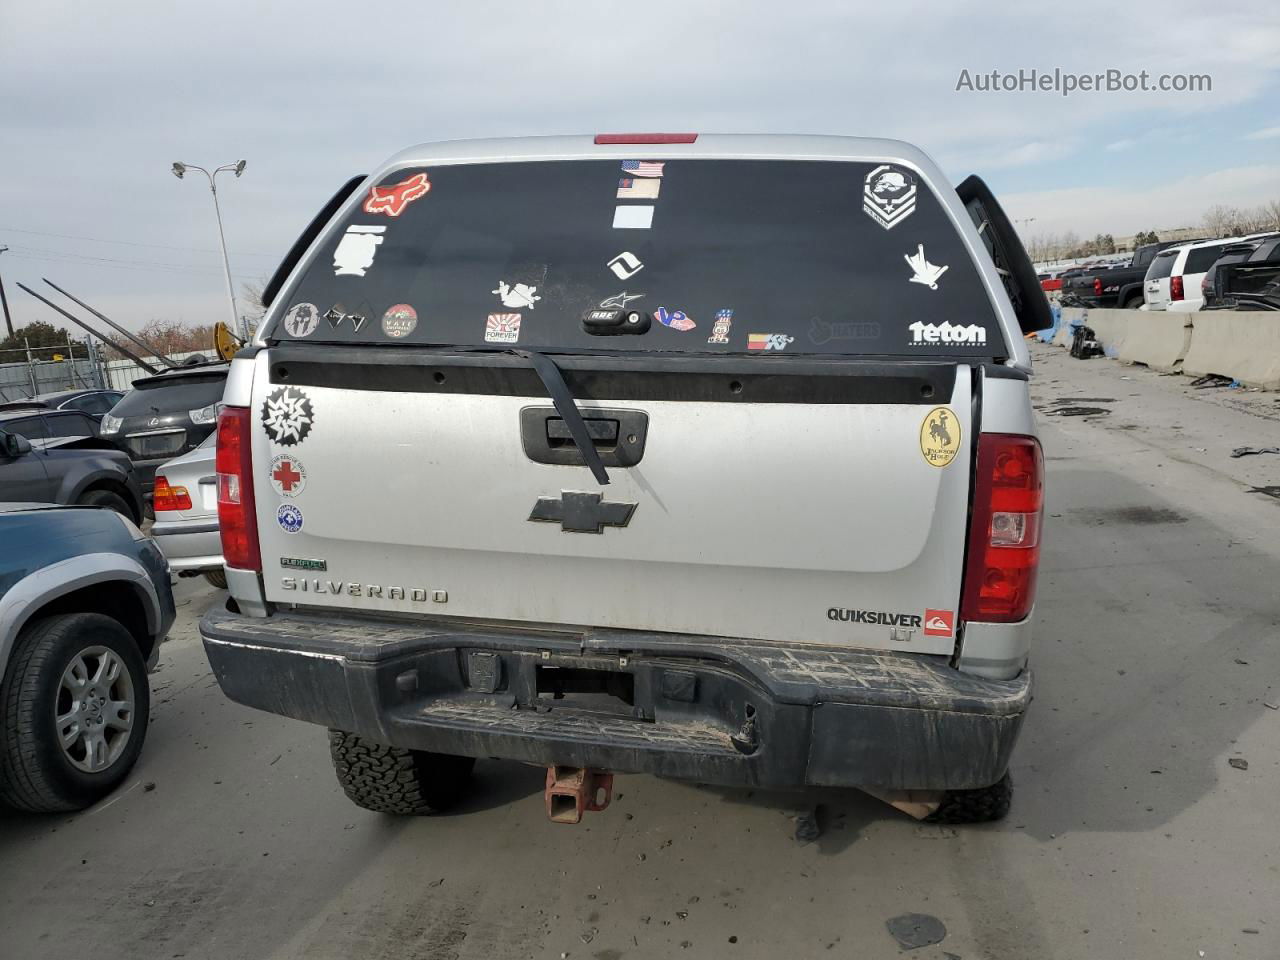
(1161, 266)
(1198, 261)
(723, 256)
(33, 428)
(179, 396)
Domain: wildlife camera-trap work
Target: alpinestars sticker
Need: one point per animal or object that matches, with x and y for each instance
(287, 416)
(889, 195)
(392, 199)
(924, 271)
(302, 320)
(354, 253)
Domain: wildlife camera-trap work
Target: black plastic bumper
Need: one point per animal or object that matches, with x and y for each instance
(721, 711)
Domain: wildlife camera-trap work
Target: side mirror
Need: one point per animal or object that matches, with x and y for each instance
(13, 444)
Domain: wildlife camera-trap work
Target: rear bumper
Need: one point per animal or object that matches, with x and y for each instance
(721, 711)
(189, 544)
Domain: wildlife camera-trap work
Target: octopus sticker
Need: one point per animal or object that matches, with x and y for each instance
(889, 195)
(940, 437)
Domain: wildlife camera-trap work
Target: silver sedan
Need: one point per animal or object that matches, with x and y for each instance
(186, 507)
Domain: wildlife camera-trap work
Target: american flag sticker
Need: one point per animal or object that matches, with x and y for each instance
(502, 328)
(630, 188)
(643, 168)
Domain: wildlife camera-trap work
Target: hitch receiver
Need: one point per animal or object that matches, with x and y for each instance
(571, 791)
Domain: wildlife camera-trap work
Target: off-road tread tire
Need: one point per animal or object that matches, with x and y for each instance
(984, 805)
(105, 498)
(34, 775)
(217, 577)
(395, 780)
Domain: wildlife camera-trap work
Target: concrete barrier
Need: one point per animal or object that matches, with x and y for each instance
(1243, 346)
(1111, 328)
(1071, 318)
(1156, 338)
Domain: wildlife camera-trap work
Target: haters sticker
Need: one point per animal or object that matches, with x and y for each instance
(393, 199)
(399, 321)
(940, 437)
(287, 416)
(889, 195)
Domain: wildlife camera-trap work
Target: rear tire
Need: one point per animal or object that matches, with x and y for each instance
(217, 577)
(984, 805)
(71, 673)
(105, 498)
(394, 780)
(1133, 303)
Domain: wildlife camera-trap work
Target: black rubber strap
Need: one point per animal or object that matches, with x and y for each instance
(564, 403)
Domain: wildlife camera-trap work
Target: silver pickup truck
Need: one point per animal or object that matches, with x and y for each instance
(709, 457)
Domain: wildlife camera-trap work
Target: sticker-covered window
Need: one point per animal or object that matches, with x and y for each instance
(691, 256)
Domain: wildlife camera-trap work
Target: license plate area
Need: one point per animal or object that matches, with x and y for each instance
(600, 691)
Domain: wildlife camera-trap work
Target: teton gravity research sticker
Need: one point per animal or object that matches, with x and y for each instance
(889, 195)
(940, 436)
(392, 199)
(287, 416)
(302, 320)
(399, 321)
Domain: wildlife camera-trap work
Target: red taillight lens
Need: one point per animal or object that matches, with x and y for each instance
(165, 497)
(1004, 533)
(1097, 287)
(237, 520)
(1204, 286)
(646, 138)
(1175, 288)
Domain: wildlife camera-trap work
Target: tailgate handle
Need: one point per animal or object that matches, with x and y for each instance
(603, 433)
(618, 436)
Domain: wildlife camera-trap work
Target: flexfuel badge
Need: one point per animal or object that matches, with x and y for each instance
(940, 436)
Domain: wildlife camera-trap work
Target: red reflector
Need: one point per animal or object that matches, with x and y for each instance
(237, 519)
(165, 497)
(1004, 533)
(1175, 288)
(646, 138)
(1097, 287)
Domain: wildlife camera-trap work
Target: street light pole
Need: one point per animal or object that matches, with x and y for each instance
(179, 170)
(4, 302)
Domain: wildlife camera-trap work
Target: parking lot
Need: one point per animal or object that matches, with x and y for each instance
(1132, 834)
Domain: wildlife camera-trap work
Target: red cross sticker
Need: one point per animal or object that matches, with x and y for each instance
(286, 476)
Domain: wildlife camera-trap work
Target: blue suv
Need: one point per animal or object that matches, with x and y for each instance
(85, 600)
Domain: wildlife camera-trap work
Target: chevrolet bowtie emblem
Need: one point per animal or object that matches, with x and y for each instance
(582, 512)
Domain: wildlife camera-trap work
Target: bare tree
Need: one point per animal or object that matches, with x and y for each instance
(1272, 211)
(1220, 220)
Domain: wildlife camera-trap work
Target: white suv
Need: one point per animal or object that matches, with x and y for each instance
(1173, 279)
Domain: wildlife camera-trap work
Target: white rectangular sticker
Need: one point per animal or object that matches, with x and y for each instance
(632, 218)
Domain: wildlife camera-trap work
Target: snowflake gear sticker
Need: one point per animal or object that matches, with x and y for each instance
(287, 416)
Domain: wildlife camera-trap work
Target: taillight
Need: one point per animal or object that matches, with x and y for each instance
(1004, 533)
(646, 138)
(237, 520)
(165, 497)
(1097, 286)
(1175, 288)
(1204, 286)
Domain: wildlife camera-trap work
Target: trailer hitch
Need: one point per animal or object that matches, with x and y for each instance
(571, 791)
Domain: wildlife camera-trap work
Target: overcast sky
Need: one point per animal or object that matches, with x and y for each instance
(99, 99)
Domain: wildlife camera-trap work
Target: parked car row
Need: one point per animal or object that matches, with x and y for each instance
(1183, 276)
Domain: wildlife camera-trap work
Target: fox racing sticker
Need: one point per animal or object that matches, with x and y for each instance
(287, 416)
